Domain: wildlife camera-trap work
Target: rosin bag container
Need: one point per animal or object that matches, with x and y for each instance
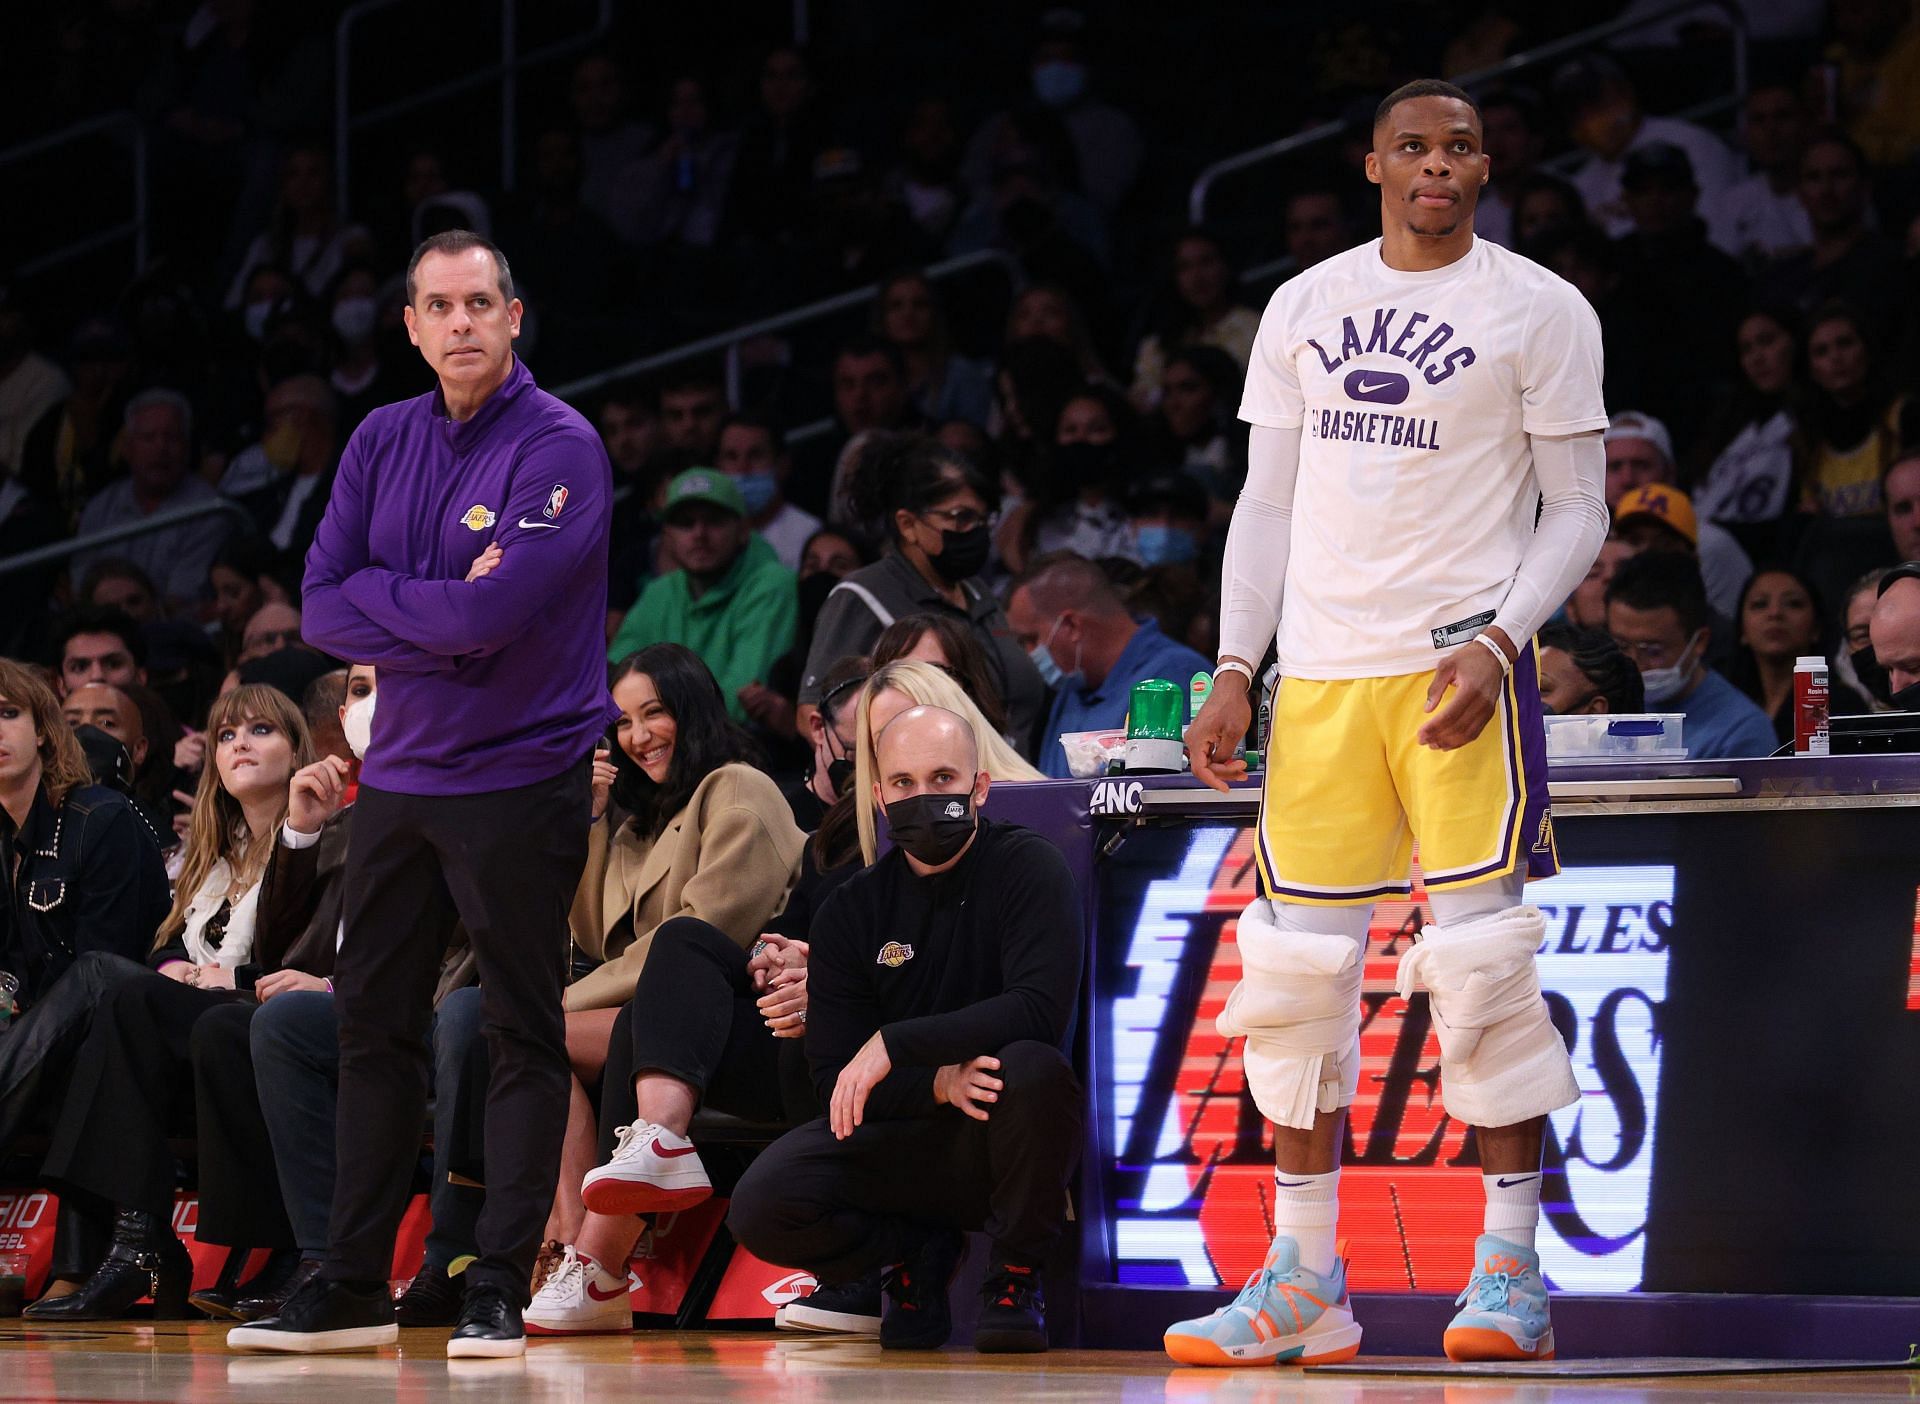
(1156, 726)
(1811, 698)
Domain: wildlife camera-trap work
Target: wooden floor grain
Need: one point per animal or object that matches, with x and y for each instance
(141, 1363)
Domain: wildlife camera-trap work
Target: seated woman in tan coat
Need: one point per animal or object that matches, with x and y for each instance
(694, 831)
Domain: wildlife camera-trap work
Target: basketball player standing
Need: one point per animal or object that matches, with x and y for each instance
(1424, 488)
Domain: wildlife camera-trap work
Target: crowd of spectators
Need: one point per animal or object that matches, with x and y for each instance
(1008, 510)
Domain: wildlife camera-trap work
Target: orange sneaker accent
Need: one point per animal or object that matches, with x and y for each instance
(1192, 1350)
(1464, 1344)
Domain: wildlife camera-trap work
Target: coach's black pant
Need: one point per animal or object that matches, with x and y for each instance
(840, 1209)
(505, 864)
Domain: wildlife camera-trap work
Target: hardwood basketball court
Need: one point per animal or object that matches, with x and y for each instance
(178, 1361)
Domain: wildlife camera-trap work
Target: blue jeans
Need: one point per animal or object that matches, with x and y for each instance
(296, 1059)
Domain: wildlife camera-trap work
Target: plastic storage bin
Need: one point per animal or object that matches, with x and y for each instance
(1638, 737)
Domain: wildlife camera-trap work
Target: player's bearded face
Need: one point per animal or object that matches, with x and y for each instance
(1428, 161)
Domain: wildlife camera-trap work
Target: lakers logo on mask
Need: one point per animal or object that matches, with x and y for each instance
(893, 955)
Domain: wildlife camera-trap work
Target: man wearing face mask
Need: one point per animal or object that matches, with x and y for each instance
(1657, 612)
(1075, 627)
(753, 452)
(1895, 631)
(1584, 673)
(1106, 143)
(941, 993)
(1168, 516)
(283, 480)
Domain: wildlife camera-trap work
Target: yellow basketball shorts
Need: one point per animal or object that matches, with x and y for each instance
(1349, 787)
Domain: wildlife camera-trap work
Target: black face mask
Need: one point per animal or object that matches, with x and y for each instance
(963, 554)
(108, 758)
(1866, 667)
(839, 774)
(932, 828)
(813, 595)
(1084, 465)
(1907, 699)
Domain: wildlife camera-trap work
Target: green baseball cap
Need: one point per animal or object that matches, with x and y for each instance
(704, 485)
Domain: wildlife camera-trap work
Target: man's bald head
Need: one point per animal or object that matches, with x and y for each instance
(113, 711)
(923, 739)
(1895, 630)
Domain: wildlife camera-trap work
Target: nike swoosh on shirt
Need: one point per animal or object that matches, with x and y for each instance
(526, 525)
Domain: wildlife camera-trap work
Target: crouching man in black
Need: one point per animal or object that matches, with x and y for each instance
(941, 989)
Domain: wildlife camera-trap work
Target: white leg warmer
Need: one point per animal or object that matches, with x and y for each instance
(1298, 1006)
(1501, 1059)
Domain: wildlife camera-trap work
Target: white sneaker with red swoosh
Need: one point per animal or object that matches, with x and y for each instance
(579, 1299)
(652, 1170)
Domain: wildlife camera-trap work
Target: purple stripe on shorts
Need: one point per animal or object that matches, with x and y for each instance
(1529, 766)
(1392, 889)
(1540, 857)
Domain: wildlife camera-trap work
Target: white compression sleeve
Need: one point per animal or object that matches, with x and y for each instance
(1571, 474)
(1253, 572)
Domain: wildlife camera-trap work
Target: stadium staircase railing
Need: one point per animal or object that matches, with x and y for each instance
(70, 143)
(505, 74)
(728, 343)
(1587, 40)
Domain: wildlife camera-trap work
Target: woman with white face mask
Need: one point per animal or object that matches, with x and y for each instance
(363, 324)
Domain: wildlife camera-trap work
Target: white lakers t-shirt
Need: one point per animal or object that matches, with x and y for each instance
(1414, 394)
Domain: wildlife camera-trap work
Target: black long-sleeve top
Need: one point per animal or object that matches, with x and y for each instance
(84, 876)
(947, 967)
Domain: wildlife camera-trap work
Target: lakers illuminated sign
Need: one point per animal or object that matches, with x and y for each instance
(1190, 1160)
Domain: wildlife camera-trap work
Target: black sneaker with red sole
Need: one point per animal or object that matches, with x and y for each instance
(921, 1317)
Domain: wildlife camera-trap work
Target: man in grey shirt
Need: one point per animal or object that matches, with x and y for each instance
(159, 430)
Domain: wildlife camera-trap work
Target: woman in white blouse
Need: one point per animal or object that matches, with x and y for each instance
(110, 1135)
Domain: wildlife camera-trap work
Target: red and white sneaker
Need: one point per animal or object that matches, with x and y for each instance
(652, 1170)
(579, 1298)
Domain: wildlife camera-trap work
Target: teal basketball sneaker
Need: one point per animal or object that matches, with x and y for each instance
(1503, 1311)
(1285, 1315)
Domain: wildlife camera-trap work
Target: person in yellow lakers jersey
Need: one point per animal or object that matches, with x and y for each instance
(1425, 486)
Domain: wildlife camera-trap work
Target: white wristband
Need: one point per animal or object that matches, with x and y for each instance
(1506, 663)
(1234, 665)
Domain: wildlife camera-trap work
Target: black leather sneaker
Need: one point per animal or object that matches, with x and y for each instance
(322, 1316)
(1013, 1318)
(840, 1309)
(489, 1328)
(431, 1299)
(272, 1299)
(922, 1317)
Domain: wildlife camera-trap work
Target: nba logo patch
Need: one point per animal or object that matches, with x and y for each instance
(555, 501)
(893, 955)
(478, 518)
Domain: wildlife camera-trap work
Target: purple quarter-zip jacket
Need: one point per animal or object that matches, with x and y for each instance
(483, 686)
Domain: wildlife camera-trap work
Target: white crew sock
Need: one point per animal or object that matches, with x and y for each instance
(1513, 1207)
(1306, 1208)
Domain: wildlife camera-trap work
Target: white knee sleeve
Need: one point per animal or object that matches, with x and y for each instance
(1298, 1006)
(1501, 1059)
